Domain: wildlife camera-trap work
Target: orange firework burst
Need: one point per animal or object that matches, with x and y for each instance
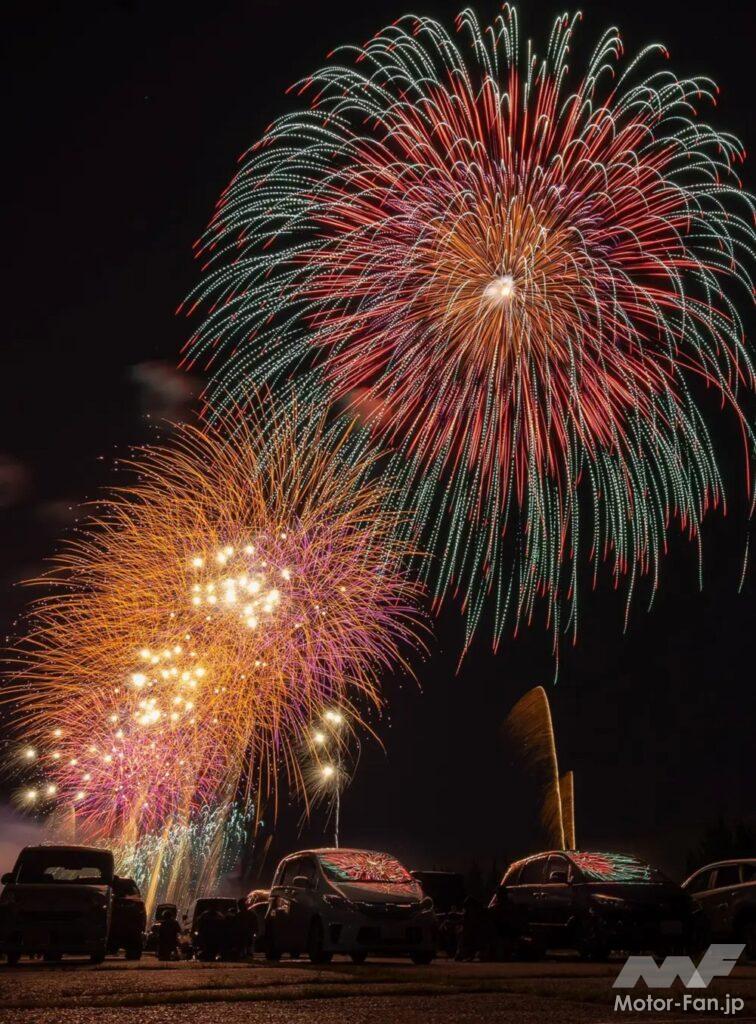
(205, 616)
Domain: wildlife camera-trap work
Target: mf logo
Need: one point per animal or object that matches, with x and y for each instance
(717, 962)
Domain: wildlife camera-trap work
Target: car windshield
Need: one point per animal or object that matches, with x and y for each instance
(224, 903)
(615, 867)
(363, 866)
(92, 867)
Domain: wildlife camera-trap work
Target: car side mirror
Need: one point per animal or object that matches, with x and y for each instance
(7, 878)
(302, 882)
(559, 877)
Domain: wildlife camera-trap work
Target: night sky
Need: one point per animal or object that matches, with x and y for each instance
(122, 123)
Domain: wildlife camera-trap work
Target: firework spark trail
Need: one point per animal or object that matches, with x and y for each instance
(204, 617)
(515, 275)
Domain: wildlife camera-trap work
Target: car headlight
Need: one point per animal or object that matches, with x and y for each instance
(425, 905)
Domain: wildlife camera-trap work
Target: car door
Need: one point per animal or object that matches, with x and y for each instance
(555, 903)
(721, 899)
(526, 896)
(697, 887)
(282, 895)
(301, 904)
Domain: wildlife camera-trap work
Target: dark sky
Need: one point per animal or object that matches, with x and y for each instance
(122, 123)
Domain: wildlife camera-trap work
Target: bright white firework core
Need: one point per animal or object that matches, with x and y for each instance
(499, 290)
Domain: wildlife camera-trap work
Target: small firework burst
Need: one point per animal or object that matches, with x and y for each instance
(245, 583)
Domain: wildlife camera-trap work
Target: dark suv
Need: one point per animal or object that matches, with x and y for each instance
(591, 902)
(726, 893)
(57, 900)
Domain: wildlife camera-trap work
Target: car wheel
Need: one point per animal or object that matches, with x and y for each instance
(97, 958)
(359, 957)
(422, 958)
(52, 958)
(591, 944)
(315, 943)
(13, 958)
(529, 950)
(269, 945)
(133, 952)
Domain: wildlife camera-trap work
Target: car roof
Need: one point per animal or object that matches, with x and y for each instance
(724, 864)
(323, 851)
(542, 853)
(68, 848)
(570, 854)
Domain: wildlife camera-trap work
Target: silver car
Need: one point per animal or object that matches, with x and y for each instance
(347, 901)
(726, 894)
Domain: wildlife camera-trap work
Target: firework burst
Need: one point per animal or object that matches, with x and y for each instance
(517, 275)
(203, 618)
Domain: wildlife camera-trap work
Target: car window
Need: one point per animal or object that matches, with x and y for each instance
(557, 863)
(364, 866)
(512, 876)
(48, 865)
(728, 874)
(224, 904)
(699, 882)
(291, 870)
(307, 869)
(615, 867)
(303, 867)
(532, 872)
(748, 872)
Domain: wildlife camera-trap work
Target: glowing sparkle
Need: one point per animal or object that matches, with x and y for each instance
(499, 291)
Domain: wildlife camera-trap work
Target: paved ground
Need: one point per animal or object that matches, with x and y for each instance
(380, 992)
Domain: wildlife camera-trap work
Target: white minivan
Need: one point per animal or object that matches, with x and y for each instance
(348, 901)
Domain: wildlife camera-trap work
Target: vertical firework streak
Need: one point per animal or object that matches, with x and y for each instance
(567, 801)
(200, 621)
(529, 726)
(521, 278)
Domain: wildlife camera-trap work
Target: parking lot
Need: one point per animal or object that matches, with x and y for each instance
(564, 991)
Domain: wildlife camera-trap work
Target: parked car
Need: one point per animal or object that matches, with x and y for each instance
(57, 900)
(347, 901)
(128, 919)
(726, 894)
(591, 902)
(257, 905)
(151, 939)
(216, 941)
(447, 890)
